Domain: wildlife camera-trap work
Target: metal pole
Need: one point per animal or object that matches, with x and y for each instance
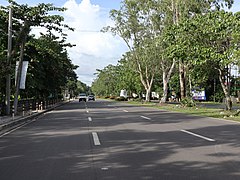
(8, 78)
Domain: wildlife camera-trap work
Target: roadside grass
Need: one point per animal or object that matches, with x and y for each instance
(198, 110)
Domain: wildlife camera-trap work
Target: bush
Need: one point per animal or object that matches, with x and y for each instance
(121, 99)
(188, 102)
(112, 97)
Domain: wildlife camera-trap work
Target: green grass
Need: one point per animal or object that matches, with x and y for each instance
(199, 111)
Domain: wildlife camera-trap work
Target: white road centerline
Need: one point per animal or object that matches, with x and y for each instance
(96, 139)
(144, 117)
(197, 135)
(89, 119)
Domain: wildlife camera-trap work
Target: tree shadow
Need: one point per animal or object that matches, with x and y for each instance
(60, 146)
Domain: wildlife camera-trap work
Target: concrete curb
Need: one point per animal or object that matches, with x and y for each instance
(13, 124)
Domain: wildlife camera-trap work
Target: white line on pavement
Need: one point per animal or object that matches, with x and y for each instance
(197, 135)
(144, 117)
(96, 139)
(89, 119)
(16, 128)
(125, 110)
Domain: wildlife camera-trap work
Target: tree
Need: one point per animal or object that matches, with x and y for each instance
(210, 41)
(26, 17)
(50, 69)
(220, 30)
(128, 77)
(105, 83)
(179, 11)
(131, 23)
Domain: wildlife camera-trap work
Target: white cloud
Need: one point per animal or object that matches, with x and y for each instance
(94, 50)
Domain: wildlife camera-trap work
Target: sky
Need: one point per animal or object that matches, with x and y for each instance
(93, 50)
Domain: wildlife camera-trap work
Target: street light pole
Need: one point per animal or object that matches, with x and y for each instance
(8, 78)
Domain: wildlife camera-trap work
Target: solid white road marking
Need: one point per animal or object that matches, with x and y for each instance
(89, 119)
(96, 139)
(18, 127)
(197, 135)
(144, 117)
(125, 110)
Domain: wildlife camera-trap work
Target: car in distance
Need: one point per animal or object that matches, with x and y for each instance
(91, 98)
(82, 97)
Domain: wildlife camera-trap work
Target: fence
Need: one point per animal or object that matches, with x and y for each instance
(29, 106)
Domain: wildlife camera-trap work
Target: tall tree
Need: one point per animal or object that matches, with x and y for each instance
(26, 17)
(131, 24)
(179, 10)
(220, 30)
(212, 41)
(50, 68)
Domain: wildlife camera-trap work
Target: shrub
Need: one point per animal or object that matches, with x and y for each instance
(112, 97)
(188, 102)
(121, 98)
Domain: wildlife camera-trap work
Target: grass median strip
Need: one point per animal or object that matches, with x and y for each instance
(201, 109)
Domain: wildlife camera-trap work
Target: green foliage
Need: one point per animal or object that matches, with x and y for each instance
(187, 102)
(218, 96)
(112, 79)
(50, 69)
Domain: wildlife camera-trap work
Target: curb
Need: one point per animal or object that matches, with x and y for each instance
(9, 126)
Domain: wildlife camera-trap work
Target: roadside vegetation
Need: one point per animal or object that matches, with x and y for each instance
(51, 73)
(201, 109)
(175, 47)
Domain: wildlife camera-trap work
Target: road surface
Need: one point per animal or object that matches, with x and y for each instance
(109, 140)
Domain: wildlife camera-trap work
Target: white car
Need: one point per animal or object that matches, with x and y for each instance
(82, 97)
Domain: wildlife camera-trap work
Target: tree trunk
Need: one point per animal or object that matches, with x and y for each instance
(165, 92)
(228, 101)
(182, 73)
(166, 77)
(148, 93)
(182, 78)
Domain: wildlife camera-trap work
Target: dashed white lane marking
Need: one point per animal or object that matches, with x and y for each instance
(96, 139)
(104, 168)
(89, 119)
(125, 110)
(144, 117)
(197, 135)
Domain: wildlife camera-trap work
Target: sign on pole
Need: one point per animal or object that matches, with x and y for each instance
(23, 74)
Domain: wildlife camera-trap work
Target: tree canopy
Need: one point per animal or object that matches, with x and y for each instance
(50, 69)
(198, 40)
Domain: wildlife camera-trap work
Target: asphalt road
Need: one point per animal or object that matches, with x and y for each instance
(109, 140)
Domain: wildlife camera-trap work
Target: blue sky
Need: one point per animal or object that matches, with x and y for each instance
(109, 4)
(94, 50)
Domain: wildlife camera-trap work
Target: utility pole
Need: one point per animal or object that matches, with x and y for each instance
(8, 76)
